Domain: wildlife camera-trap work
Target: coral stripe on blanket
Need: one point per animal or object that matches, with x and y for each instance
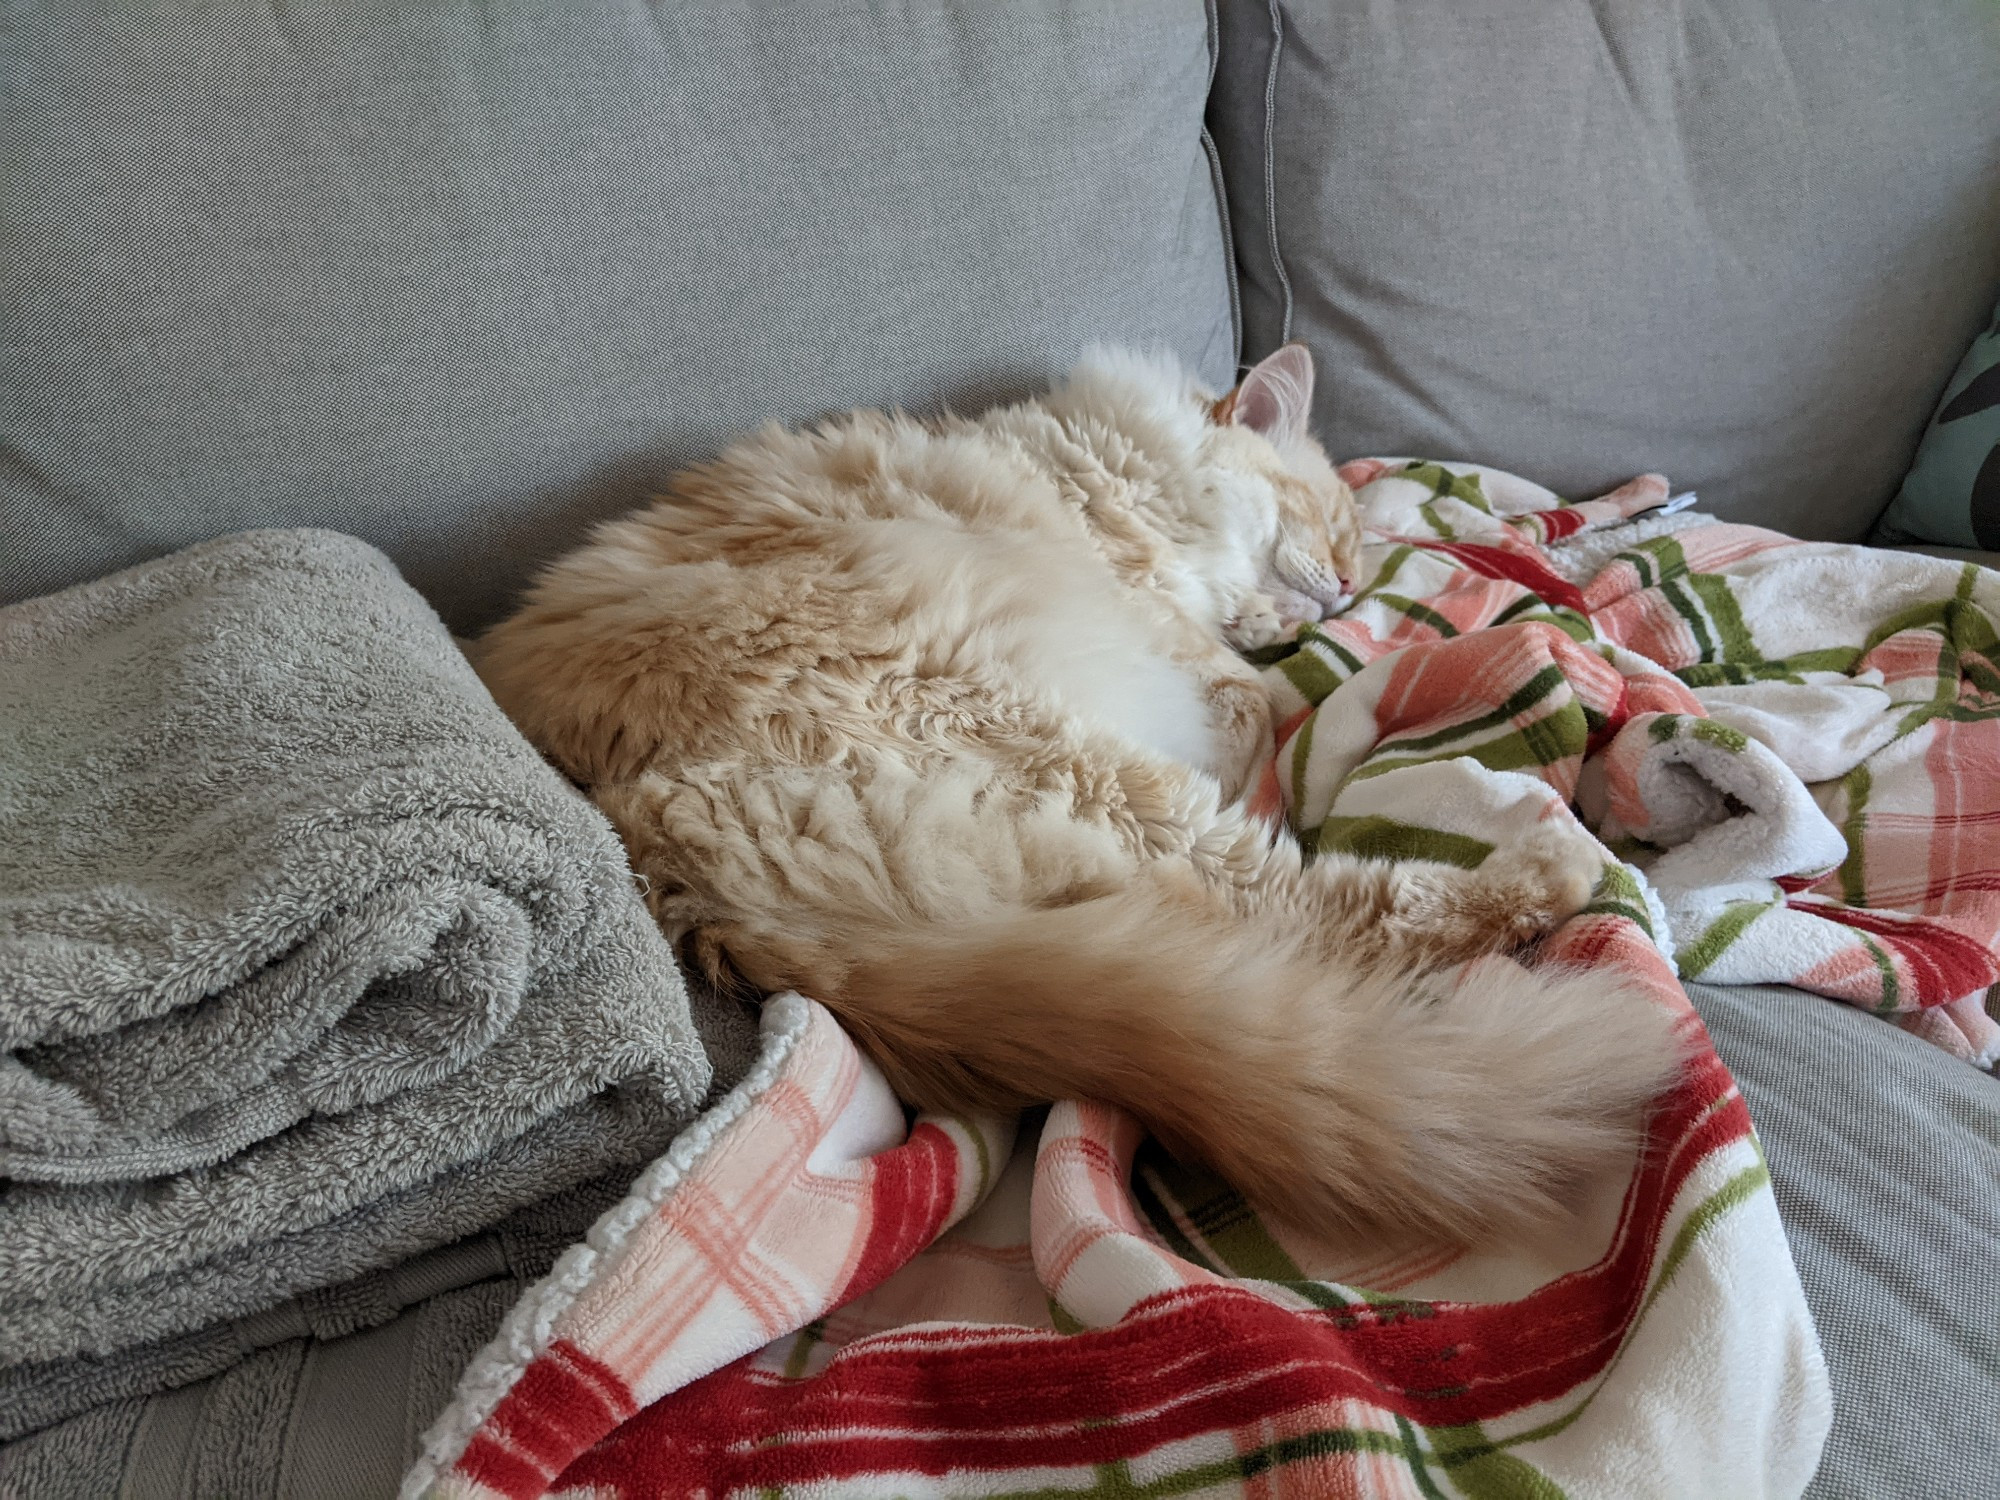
(1791, 753)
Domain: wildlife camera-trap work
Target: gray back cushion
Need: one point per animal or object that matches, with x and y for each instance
(462, 277)
(1744, 243)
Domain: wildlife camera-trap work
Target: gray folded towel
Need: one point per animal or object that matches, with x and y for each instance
(308, 963)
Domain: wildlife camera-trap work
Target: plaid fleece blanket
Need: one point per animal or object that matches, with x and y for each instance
(1088, 1318)
(1792, 746)
(1791, 749)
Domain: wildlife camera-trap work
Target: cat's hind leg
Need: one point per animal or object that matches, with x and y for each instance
(1427, 915)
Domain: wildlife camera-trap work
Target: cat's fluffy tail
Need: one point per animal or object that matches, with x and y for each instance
(1388, 1101)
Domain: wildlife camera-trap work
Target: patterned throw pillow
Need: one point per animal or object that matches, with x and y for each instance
(1951, 496)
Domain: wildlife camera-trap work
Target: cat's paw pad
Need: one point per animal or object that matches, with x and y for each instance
(1256, 624)
(1556, 868)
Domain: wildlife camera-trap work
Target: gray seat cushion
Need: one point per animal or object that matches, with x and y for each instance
(461, 278)
(1885, 1158)
(1743, 243)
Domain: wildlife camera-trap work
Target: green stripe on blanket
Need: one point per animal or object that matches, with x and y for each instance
(1377, 837)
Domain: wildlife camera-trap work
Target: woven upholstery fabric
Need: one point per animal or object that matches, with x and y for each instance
(1885, 1156)
(463, 278)
(1741, 242)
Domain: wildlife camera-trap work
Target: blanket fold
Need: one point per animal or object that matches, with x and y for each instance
(308, 963)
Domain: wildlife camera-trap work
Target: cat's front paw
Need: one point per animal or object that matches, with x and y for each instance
(1257, 623)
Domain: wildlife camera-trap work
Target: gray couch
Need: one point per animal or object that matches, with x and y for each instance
(462, 278)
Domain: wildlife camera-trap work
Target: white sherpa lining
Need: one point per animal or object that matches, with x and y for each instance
(526, 1331)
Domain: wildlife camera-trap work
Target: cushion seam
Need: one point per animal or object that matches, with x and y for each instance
(1219, 184)
(1221, 189)
(1271, 168)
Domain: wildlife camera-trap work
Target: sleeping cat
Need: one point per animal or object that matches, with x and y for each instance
(940, 723)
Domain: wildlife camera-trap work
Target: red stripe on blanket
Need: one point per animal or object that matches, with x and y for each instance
(563, 1402)
(1945, 965)
(1184, 1363)
(1557, 524)
(1529, 572)
(1268, 800)
(1440, 685)
(1619, 716)
(911, 1193)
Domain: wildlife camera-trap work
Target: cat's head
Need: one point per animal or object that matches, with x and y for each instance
(1263, 450)
(1268, 511)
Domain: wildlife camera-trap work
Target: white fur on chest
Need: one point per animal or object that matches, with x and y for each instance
(1108, 672)
(1054, 619)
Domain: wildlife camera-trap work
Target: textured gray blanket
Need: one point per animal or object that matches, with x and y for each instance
(308, 963)
(325, 1393)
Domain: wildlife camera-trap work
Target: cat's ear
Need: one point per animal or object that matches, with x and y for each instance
(1275, 398)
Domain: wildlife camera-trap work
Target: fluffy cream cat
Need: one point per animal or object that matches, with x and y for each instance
(939, 723)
